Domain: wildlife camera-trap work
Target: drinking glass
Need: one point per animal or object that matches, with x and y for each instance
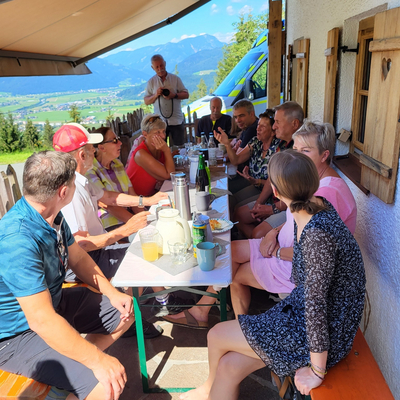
(178, 251)
(150, 242)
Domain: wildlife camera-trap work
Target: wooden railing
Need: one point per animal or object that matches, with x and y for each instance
(128, 129)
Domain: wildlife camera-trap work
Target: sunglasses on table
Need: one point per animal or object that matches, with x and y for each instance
(115, 140)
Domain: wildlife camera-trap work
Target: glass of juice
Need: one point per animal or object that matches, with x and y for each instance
(149, 240)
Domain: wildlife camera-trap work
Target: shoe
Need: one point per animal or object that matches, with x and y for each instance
(187, 321)
(150, 331)
(174, 301)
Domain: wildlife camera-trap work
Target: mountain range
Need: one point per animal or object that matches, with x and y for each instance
(190, 56)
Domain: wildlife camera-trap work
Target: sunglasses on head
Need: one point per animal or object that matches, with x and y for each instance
(153, 119)
(115, 140)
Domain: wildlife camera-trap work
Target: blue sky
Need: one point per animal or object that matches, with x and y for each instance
(214, 18)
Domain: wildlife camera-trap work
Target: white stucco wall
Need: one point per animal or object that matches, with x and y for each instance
(378, 224)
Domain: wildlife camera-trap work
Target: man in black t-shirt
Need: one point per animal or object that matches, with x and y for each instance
(210, 123)
(246, 120)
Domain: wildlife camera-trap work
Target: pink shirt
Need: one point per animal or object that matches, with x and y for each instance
(273, 274)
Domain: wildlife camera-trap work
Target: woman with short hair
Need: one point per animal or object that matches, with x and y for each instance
(151, 162)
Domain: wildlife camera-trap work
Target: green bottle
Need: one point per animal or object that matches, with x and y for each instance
(202, 183)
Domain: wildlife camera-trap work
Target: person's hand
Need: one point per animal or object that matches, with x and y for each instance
(171, 95)
(156, 198)
(305, 380)
(159, 91)
(246, 175)
(261, 211)
(123, 303)
(159, 143)
(269, 244)
(138, 221)
(236, 146)
(221, 136)
(111, 374)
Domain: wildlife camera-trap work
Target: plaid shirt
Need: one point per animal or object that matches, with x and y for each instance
(114, 179)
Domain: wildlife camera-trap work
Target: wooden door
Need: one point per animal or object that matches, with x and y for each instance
(382, 130)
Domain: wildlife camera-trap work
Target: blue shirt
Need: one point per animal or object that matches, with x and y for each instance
(30, 263)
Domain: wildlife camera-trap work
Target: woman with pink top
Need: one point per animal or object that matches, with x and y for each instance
(267, 263)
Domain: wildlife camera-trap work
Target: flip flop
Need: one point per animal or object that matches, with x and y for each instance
(187, 321)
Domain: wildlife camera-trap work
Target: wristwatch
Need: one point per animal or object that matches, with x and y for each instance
(176, 96)
(275, 210)
(278, 253)
(141, 205)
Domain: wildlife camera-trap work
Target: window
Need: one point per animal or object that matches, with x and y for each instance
(361, 84)
(260, 81)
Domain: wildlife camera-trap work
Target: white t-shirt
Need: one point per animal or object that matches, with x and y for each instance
(171, 82)
(82, 213)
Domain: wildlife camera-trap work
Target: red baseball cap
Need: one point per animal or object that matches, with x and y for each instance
(72, 136)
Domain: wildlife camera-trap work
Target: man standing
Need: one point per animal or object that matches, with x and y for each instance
(166, 91)
(210, 123)
(41, 322)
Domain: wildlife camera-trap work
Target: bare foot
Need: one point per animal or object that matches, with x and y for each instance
(201, 393)
(196, 312)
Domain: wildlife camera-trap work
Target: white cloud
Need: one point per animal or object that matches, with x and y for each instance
(176, 40)
(214, 9)
(265, 7)
(230, 10)
(225, 37)
(245, 10)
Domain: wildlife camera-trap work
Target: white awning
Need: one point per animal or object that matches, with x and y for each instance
(55, 37)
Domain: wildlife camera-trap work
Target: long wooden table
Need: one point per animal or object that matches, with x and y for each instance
(135, 272)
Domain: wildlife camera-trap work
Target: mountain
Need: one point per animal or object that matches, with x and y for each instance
(104, 75)
(173, 53)
(191, 55)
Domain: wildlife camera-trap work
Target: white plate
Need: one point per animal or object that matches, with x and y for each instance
(226, 225)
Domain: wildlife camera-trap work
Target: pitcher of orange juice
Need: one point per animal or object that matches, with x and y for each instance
(150, 241)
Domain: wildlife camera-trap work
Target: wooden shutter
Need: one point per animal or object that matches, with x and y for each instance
(301, 49)
(331, 54)
(381, 143)
(274, 53)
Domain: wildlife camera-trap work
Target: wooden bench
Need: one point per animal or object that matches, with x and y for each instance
(357, 377)
(13, 387)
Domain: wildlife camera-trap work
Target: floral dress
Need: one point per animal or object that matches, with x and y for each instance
(324, 310)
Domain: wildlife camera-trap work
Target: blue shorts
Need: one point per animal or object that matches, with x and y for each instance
(29, 355)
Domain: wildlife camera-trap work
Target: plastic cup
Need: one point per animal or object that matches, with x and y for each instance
(178, 251)
(150, 242)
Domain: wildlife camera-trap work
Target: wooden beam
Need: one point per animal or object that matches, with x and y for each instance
(375, 165)
(274, 53)
(385, 45)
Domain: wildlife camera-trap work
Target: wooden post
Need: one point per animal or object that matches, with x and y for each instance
(274, 53)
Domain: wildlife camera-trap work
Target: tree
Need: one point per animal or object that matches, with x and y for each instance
(10, 136)
(200, 92)
(31, 136)
(247, 30)
(48, 134)
(110, 115)
(74, 113)
(176, 72)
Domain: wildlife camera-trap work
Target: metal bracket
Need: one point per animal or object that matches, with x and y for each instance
(345, 49)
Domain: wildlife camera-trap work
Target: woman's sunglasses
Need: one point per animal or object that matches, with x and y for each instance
(115, 140)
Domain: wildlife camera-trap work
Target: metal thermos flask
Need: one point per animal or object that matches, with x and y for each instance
(181, 196)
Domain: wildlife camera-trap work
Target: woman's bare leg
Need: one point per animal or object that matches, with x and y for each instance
(261, 230)
(246, 221)
(224, 338)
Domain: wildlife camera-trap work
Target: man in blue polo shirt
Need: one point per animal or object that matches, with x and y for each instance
(41, 322)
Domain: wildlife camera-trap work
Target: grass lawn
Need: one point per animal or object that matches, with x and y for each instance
(16, 157)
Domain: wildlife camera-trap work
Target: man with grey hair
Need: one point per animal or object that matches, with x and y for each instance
(246, 120)
(41, 323)
(288, 118)
(212, 122)
(166, 91)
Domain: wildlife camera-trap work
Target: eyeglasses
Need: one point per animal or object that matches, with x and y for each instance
(153, 119)
(115, 140)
